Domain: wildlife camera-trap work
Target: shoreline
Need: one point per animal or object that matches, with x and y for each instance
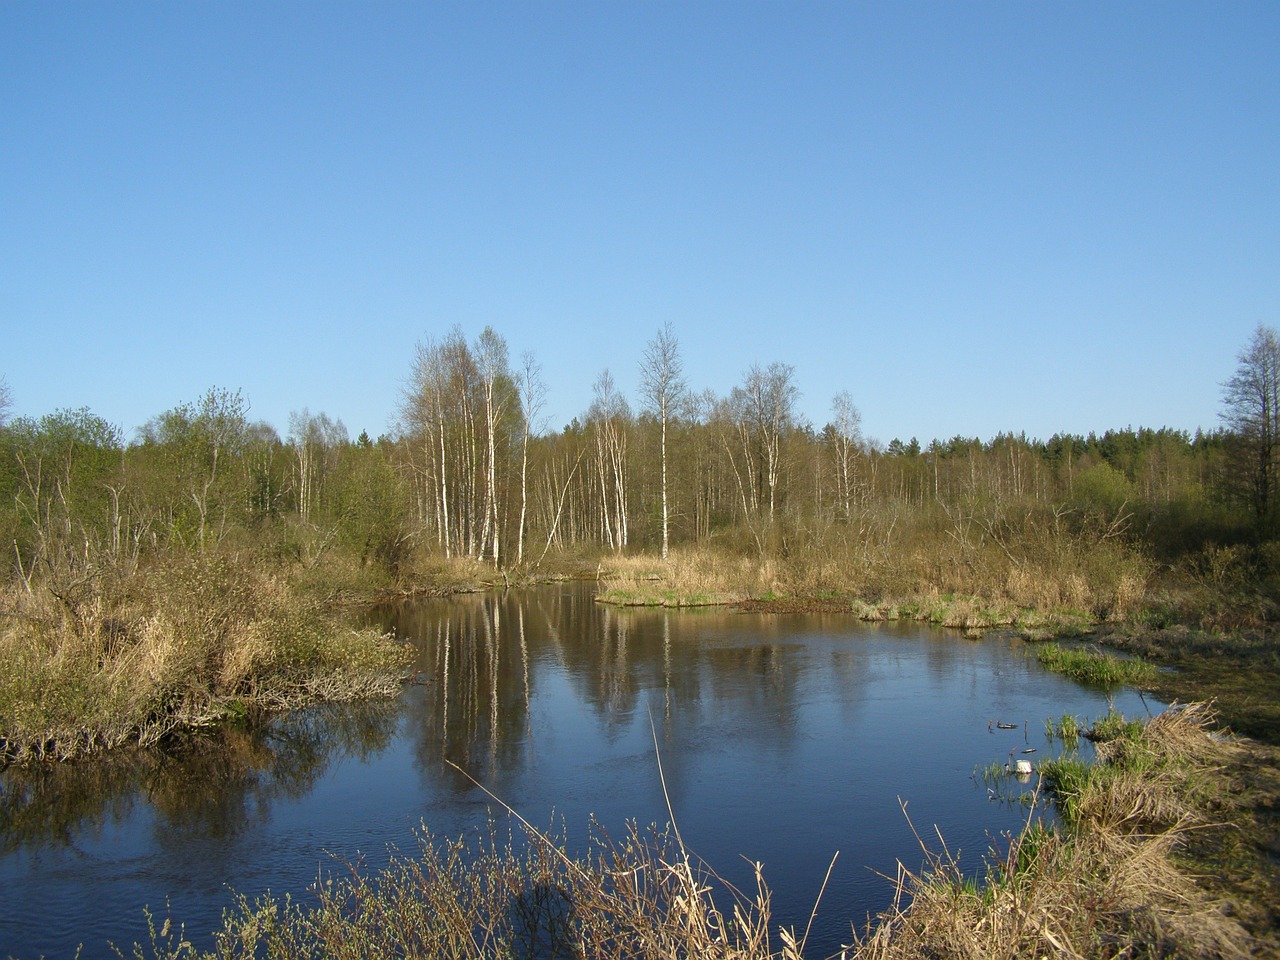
(1234, 861)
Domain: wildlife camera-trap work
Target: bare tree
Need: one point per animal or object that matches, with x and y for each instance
(533, 395)
(609, 416)
(437, 417)
(663, 389)
(845, 434)
(6, 401)
(764, 407)
(1252, 414)
(491, 362)
(315, 440)
(422, 424)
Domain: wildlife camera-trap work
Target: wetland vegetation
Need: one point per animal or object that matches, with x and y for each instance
(200, 573)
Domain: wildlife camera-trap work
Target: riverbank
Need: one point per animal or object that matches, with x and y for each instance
(205, 639)
(1159, 855)
(1231, 856)
(1238, 669)
(1234, 787)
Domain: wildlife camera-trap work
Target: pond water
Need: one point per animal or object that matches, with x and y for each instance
(783, 739)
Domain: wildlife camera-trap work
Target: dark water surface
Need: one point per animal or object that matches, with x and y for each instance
(783, 739)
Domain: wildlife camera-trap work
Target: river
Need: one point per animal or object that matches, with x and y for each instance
(782, 738)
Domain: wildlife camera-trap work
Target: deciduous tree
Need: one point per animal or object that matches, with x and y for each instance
(198, 439)
(533, 395)
(764, 407)
(495, 381)
(845, 435)
(1252, 415)
(609, 418)
(663, 390)
(315, 440)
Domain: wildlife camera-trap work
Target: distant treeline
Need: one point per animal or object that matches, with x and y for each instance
(468, 473)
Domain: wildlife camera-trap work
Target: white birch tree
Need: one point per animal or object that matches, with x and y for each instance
(663, 390)
(845, 436)
(609, 417)
(533, 395)
(491, 363)
(764, 407)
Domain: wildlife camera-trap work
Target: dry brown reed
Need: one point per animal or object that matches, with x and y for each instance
(1109, 888)
(920, 558)
(188, 644)
(502, 896)
(691, 576)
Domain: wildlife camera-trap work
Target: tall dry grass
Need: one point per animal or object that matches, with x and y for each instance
(691, 576)
(968, 571)
(1107, 887)
(175, 646)
(512, 896)
(502, 896)
(1033, 563)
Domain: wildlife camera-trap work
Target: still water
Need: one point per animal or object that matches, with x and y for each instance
(783, 739)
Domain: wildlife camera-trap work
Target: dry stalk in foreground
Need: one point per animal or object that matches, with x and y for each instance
(1105, 887)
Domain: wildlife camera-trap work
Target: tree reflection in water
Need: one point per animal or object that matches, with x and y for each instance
(218, 784)
(485, 655)
(782, 739)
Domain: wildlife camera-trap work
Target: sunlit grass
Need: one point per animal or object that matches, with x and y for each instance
(1106, 883)
(1066, 728)
(202, 640)
(1093, 667)
(691, 577)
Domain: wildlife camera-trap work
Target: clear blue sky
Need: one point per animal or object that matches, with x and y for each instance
(974, 217)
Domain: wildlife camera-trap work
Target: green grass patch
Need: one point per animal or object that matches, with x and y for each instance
(1067, 729)
(1094, 668)
(1039, 626)
(1115, 726)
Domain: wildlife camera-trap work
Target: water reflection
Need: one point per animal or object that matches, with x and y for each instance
(782, 739)
(217, 786)
(484, 657)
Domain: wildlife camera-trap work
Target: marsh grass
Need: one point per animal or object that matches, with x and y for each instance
(1240, 672)
(690, 577)
(1094, 667)
(1114, 726)
(1105, 885)
(201, 640)
(505, 893)
(705, 576)
(963, 612)
(1067, 729)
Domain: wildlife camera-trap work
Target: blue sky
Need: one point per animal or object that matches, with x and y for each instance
(974, 217)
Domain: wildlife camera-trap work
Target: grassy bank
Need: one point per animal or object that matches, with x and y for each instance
(99, 654)
(1193, 626)
(1124, 876)
(101, 661)
(1032, 602)
(1239, 671)
(1094, 667)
